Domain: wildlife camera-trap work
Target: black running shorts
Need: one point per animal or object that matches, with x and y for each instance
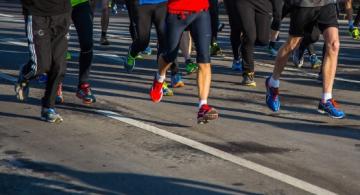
(303, 19)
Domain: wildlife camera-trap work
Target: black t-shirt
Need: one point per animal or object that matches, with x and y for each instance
(45, 7)
(310, 3)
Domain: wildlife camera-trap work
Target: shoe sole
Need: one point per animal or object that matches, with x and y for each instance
(335, 117)
(56, 121)
(87, 102)
(249, 84)
(179, 84)
(207, 117)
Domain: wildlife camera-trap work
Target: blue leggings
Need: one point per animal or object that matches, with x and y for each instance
(200, 29)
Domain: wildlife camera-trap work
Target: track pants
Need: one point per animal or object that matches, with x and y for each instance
(235, 30)
(144, 17)
(47, 46)
(83, 20)
(255, 25)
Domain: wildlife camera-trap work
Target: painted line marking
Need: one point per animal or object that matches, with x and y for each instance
(220, 154)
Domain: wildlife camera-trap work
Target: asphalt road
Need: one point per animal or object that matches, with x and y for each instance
(138, 149)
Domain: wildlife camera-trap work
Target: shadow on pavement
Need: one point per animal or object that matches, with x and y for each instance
(101, 182)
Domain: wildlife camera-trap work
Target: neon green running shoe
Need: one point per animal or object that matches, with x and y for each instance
(191, 67)
(68, 55)
(166, 90)
(130, 63)
(355, 33)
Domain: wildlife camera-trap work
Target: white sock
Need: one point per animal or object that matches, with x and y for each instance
(202, 102)
(326, 97)
(274, 83)
(160, 78)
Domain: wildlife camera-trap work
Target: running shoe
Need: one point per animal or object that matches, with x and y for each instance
(68, 55)
(176, 81)
(355, 33)
(272, 51)
(114, 9)
(147, 51)
(207, 113)
(272, 96)
(191, 67)
(139, 57)
(156, 91)
(59, 94)
(331, 108)
(130, 63)
(215, 49)
(315, 61)
(248, 79)
(50, 115)
(166, 90)
(297, 59)
(84, 92)
(22, 86)
(104, 41)
(236, 66)
(43, 78)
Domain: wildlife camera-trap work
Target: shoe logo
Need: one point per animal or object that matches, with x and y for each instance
(41, 32)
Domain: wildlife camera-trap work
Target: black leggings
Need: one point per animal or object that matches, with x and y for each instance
(82, 17)
(277, 6)
(214, 14)
(235, 32)
(357, 19)
(130, 6)
(255, 26)
(200, 29)
(144, 17)
(309, 40)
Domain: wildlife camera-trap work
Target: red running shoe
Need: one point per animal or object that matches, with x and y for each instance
(84, 92)
(156, 91)
(207, 113)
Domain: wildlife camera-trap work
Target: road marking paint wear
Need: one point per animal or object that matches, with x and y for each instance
(220, 154)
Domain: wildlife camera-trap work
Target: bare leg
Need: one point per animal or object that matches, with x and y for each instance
(283, 55)
(331, 36)
(204, 80)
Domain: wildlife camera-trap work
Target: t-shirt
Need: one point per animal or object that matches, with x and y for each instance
(310, 3)
(180, 6)
(45, 7)
(146, 2)
(77, 2)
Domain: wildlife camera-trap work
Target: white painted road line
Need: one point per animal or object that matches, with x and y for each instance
(220, 154)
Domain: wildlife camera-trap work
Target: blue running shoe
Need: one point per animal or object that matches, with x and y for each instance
(272, 96)
(147, 51)
(272, 51)
(176, 81)
(315, 61)
(50, 115)
(236, 66)
(331, 108)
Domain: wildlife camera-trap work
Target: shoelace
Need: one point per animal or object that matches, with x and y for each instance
(334, 103)
(275, 93)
